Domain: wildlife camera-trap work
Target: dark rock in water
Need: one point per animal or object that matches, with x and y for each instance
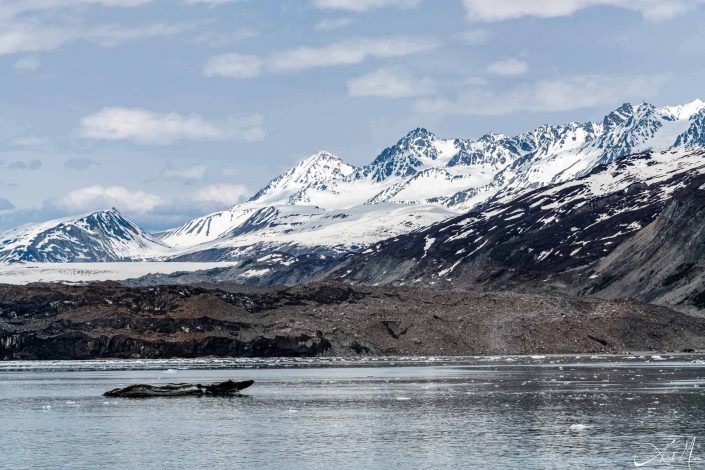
(229, 387)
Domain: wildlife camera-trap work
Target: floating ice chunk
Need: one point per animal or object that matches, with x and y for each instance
(658, 358)
(578, 427)
(170, 371)
(403, 398)
(46, 407)
(538, 357)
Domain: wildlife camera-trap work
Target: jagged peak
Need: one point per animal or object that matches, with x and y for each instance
(419, 132)
(679, 111)
(492, 136)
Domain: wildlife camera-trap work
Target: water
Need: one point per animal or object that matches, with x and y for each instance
(552, 412)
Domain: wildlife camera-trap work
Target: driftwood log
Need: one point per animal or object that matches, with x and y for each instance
(229, 387)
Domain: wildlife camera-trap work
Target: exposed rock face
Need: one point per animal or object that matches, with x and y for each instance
(665, 262)
(50, 321)
(553, 235)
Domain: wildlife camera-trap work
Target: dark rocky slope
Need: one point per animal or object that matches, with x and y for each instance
(665, 262)
(52, 321)
(548, 238)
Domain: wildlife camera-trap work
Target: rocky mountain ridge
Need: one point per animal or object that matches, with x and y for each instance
(327, 207)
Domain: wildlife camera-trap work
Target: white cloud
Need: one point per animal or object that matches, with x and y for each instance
(363, 5)
(508, 67)
(196, 172)
(216, 39)
(26, 64)
(34, 36)
(547, 95)
(233, 66)
(22, 31)
(30, 36)
(146, 127)
(11, 9)
(110, 35)
(331, 24)
(222, 193)
(499, 10)
(349, 52)
(390, 83)
(101, 197)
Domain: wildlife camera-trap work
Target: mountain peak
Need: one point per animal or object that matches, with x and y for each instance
(319, 167)
(420, 132)
(94, 237)
(321, 155)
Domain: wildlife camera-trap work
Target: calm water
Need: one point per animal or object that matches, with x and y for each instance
(553, 412)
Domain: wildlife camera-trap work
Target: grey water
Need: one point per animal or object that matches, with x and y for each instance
(407, 413)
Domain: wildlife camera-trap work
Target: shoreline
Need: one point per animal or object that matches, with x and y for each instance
(325, 319)
(639, 359)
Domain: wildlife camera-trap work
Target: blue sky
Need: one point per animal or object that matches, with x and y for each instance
(172, 109)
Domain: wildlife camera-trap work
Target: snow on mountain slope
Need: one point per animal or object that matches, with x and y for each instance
(460, 174)
(209, 227)
(551, 154)
(562, 228)
(298, 229)
(99, 236)
(326, 204)
(429, 183)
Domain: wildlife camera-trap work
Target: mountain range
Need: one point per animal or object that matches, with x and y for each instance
(544, 207)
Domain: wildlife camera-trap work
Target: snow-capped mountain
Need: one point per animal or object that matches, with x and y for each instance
(315, 170)
(325, 205)
(325, 202)
(100, 236)
(561, 229)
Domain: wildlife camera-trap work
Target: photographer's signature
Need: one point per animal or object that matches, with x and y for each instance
(680, 451)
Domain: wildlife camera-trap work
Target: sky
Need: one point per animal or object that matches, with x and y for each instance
(171, 109)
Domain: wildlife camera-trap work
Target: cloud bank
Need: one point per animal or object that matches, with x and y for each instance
(501, 10)
(152, 128)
